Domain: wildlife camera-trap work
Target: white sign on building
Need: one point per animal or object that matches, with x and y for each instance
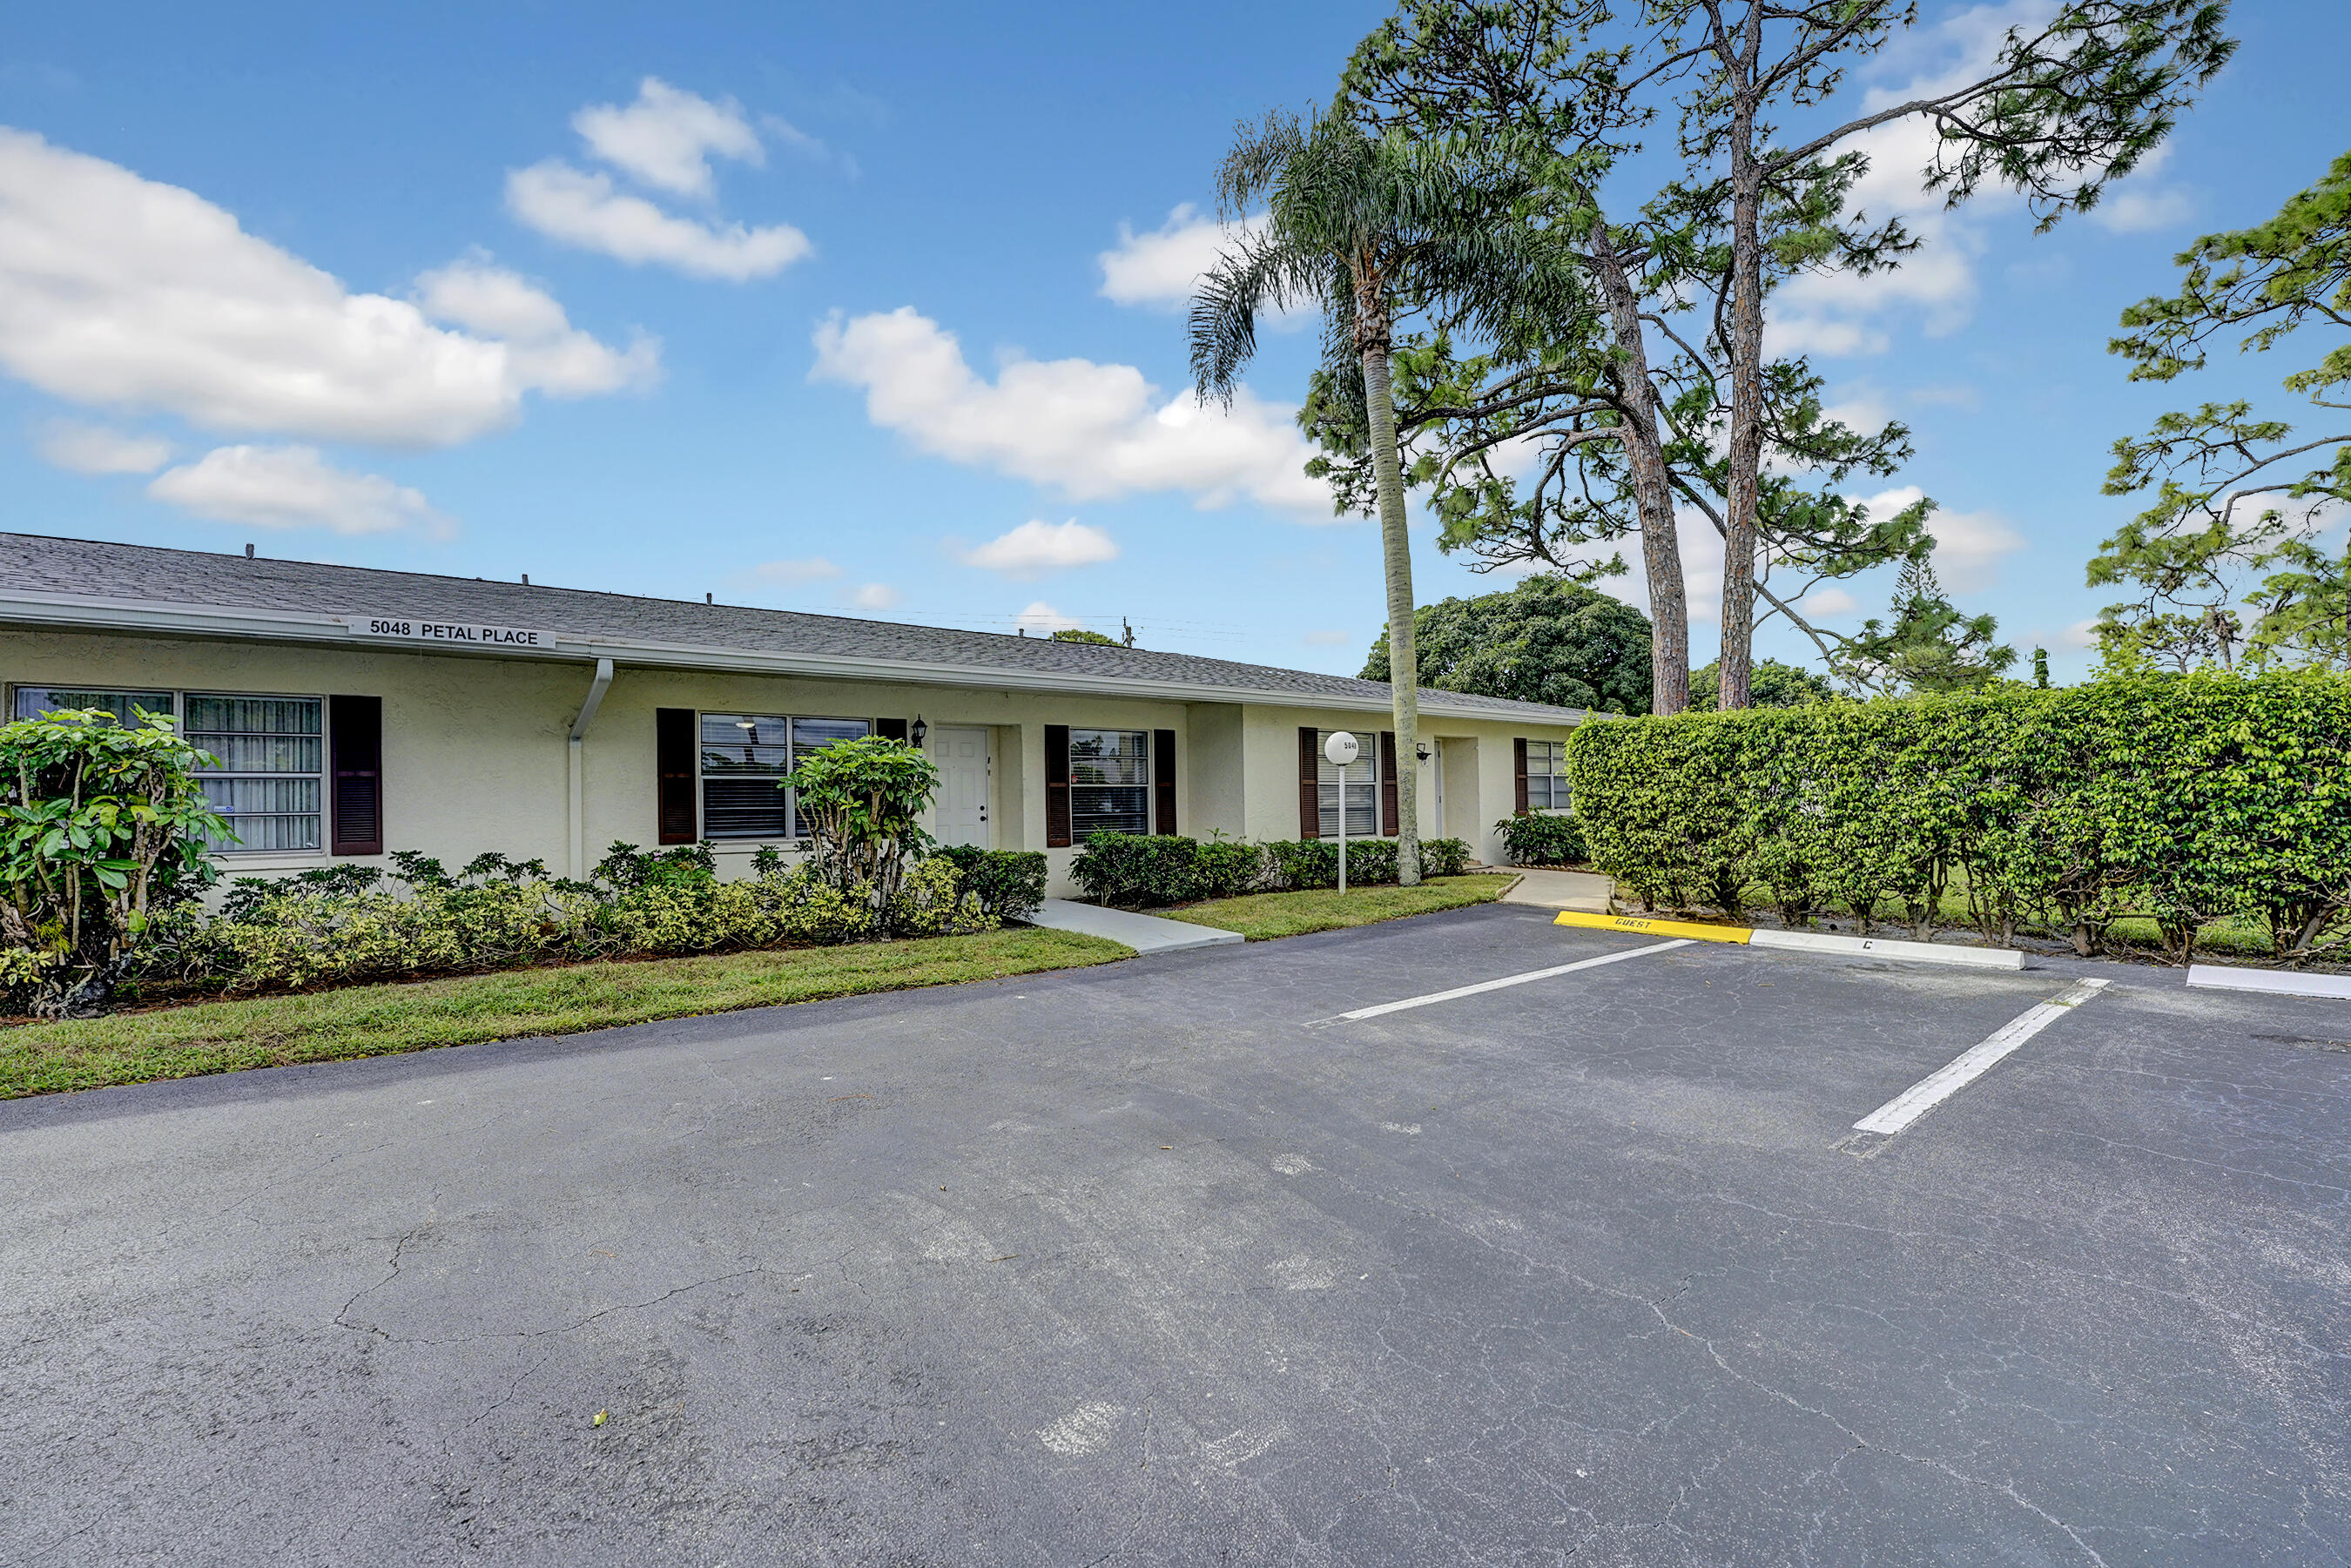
(463, 633)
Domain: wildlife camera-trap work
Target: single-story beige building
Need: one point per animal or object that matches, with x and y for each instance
(355, 712)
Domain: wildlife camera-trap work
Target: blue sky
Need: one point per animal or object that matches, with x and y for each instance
(871, 309)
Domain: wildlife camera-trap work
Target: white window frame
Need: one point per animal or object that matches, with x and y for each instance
(1555, 787)
(1326, 777)
(787, 839)
(1148, 786)
(180, 695)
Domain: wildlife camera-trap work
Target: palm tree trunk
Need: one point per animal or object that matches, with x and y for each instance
(1653, 495)
(1372, 334)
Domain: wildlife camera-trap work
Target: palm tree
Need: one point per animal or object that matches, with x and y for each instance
(1370, 228)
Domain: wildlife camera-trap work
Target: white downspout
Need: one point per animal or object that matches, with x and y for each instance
(577, 749)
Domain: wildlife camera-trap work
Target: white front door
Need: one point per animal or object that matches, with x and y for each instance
(961, 757)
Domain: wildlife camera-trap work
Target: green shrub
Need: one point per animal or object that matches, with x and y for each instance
(1541, 839)
(103, 830)
(1137, 870)
(1143, 871)
(2180, 798)
(1009, 884)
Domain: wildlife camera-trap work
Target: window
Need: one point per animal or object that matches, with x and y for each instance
(745, 757)
(1362, 784)
(271, 753)
(1110, 781)
(1547, 776)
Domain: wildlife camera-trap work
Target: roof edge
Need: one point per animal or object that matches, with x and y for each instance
(89, 612)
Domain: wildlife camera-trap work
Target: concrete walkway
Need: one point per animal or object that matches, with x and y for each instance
(1144, 933)
(1579, 890)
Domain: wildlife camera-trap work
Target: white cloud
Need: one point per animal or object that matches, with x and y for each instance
(814, 570)
(1967, 545)
(1163, 267)
(2081, 634)
(583, 209)
(1327, 639)
(1036, 546)
(2133, 210)
(665, 137)
(94, 449)
(548, 349)
(1093, 430)
(1829, 603)
(1042, 620)
(118, 291)
(2142, 204)
(292, 487)
(875, 596)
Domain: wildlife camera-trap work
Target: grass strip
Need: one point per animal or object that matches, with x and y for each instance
(383, 1021)
(1260, 917)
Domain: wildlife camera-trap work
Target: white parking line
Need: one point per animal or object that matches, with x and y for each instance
(1361, 1013)
(1973, 1063)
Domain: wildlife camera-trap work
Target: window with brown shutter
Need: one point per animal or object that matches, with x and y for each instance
(1519, 773)
(1162, 781)
(1057, 785)
(1310, 783)
(357, 735)
(1391, 820)
(674, 747)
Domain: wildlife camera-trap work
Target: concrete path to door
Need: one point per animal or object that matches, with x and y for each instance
(1144, 933)
(1579, 890)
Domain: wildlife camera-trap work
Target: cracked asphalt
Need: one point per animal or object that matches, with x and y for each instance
(1130, 1266)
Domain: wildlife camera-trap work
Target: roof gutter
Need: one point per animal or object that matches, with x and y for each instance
(83, 612)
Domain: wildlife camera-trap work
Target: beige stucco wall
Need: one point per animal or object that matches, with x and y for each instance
(475, 754)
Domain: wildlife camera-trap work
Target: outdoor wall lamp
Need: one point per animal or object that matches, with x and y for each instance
(1420, 749)
(919, 730)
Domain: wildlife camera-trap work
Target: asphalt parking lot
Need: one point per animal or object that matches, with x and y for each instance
(1145, 1265)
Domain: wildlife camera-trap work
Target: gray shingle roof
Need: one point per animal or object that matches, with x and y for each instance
(36, 563)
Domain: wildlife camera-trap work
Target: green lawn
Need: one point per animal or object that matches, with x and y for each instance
(1262, 916)
(381, 1021)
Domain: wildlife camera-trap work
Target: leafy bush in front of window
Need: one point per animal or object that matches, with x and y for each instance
(1137, 868)
(861, 802)
(1009, 884)
(1141, 871)
(1537, 839)
(350, 924)
(102, 830)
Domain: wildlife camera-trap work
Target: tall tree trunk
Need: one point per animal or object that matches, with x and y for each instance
(1373, 328)
(1746, 348)
(1653, 495)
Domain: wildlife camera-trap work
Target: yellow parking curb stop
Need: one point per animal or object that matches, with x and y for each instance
(1646, 928)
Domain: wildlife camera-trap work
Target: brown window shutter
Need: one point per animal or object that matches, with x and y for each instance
(673, 750)
(358, 725)
(1057, 785)
(1162, 781)
(891, 728)
(1391, 820)
(1518, 771)
(1310, 784)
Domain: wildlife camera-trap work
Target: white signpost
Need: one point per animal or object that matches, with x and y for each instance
(1342, 749)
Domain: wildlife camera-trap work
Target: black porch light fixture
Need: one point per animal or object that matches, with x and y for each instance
(919, 730)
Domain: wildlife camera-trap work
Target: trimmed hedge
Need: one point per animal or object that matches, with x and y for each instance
(2183, 799)
(1143, 870)
(1009, 884)
(1540, 839)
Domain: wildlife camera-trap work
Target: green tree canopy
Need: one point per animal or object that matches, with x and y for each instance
(1930, 644)
(1079, 634)
(1548, 640)
(2226, 564)
(1775, 686)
